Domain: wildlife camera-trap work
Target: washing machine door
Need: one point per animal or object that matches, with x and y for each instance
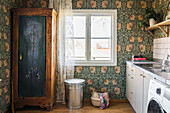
(155, 107)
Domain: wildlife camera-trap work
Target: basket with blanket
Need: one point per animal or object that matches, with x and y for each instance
(100, 99)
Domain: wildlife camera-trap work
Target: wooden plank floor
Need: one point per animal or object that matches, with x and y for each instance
(88, 108)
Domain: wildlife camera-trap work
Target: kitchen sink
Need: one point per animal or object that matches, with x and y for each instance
(155, 66)
(159, 70)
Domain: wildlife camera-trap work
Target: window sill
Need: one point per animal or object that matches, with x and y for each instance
(96, 64)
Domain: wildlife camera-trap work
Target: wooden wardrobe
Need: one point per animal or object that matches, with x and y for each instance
(34, 41)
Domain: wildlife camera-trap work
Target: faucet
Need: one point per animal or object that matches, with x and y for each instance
(163, 62)
(168, 56)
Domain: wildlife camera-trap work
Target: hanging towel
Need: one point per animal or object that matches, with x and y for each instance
(103, 100)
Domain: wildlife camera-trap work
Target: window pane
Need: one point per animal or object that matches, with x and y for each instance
(100, 26)
(79, 26)
(68, 26)
(75, 49)
(100, 49)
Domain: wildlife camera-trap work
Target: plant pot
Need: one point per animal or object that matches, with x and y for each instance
(168, 16)
(152, 22)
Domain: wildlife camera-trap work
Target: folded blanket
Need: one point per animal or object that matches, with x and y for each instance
(103, 100)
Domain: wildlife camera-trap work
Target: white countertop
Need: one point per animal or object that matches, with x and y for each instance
(162, 76)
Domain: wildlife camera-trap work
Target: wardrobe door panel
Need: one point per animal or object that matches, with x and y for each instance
(24, 67)
(31, 56)
(38, 63)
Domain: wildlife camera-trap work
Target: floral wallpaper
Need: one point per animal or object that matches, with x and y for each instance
(131, 41)
(5, 52)
(33, 3)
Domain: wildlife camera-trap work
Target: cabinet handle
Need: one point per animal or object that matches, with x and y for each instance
(128, 74)
(127, 66)
(20, 57)
(38, 76)
(144, 76)
(27, 76)
(141, 74)
(131, 77)
(131, 69)
(131, 92)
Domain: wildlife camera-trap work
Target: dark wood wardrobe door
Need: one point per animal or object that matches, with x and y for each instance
(31, 71)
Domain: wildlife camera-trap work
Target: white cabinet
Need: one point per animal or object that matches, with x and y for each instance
(139, 90)
(130, 84)
(137, 84)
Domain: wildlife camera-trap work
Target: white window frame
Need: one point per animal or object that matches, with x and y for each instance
(88, 61)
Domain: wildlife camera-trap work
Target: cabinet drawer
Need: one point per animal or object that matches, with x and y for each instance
(132, 83)
(132, 100)
(131, 90)
(130, 69)
(130, 87)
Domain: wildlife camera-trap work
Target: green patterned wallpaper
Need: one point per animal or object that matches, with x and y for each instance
(5, 52)
(131, 41)
(33, 3)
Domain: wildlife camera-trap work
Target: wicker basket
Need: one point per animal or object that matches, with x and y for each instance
(95, 100)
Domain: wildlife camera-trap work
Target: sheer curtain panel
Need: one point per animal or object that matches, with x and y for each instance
(65, 67)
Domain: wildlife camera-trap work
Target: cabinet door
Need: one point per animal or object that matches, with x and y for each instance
(31, 72)
(139, 91)
(132, 92)
(130, 84)
(128, 81)
(147, 79)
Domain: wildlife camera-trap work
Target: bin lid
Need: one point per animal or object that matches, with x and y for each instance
(74, 81)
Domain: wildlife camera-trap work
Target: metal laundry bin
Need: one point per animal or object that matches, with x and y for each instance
(74, 93)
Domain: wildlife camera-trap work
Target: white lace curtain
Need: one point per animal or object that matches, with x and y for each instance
(65, 68)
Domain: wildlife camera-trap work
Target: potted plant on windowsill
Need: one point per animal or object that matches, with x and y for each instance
(151, 18)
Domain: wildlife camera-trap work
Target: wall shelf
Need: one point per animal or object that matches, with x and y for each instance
(161, 26)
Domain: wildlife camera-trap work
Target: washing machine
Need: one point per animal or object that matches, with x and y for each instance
(158, 97)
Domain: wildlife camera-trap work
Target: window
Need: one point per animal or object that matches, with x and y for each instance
(94, 37)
